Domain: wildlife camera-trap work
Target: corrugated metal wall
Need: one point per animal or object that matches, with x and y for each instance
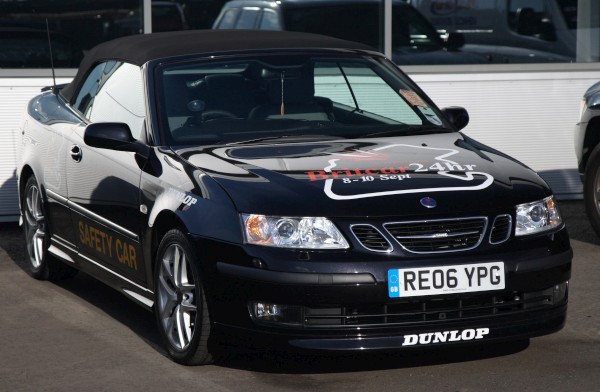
(530, 116)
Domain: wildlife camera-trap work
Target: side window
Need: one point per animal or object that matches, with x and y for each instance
(228, 19)
(269, 20)
(86, 95)
(247, 19)
(121, 98)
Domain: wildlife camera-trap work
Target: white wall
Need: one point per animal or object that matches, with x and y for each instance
(14, 95)
(528, 115)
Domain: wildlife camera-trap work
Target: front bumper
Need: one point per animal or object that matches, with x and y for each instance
(409, 337)
(344, 305)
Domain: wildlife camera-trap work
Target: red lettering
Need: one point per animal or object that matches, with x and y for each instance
(317, 175)
(337, 173)
(388, 170)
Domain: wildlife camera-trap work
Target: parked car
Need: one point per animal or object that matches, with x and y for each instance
(587, 149)
(281, 189)
(166, 16)
(414, 40)
(509, 31)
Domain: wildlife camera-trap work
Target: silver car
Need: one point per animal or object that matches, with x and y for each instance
(587, 149)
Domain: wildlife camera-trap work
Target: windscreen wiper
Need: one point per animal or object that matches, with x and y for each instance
(303, 137)
(411, 130)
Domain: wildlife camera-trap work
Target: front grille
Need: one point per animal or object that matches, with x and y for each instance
(371, 238)
(501, 229)
(437, 236)
(430, 310)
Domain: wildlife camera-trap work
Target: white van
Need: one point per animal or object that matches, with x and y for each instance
(509, 30)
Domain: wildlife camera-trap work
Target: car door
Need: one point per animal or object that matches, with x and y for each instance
(46, 140)
(103, 185)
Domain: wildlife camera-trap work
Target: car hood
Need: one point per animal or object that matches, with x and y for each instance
(369, 177)
(592, 96)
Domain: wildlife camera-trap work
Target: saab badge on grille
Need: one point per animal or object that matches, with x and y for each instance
(428, 202)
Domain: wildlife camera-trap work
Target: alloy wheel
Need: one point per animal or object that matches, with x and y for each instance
(177, 297)
(36, 225)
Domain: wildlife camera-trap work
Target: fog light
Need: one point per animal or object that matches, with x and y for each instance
(275, 313)
(560, 292)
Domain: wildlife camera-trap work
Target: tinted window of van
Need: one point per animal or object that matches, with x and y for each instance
(569, 11)
(361, 23)
(247, 19)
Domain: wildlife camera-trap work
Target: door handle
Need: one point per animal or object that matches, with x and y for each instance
(76, 153)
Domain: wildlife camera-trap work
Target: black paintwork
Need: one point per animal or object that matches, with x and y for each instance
(111, 199)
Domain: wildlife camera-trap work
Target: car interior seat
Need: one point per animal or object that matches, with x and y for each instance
(296, 100)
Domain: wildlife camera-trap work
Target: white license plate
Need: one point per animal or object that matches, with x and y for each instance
(416, 282)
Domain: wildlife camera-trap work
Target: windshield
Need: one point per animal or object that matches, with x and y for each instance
(289, 96)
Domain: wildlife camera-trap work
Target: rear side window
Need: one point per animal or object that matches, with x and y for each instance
(114, 91)
(121, 98)
(228, 19)
(247, 19)
(92, 85)
(270, 20)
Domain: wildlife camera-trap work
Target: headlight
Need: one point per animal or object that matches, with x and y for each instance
(537, 217)
(284, 232)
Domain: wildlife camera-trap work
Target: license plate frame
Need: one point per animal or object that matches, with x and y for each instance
(445, 280)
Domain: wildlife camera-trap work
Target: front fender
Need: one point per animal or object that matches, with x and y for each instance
(187, 198)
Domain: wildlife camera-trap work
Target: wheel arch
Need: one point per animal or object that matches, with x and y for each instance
(164, 221)
(591, 140)
(26, 172)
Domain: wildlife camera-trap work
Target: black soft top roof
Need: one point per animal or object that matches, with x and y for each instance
(139, 49)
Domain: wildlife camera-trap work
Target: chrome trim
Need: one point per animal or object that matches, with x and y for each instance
(64, 243)
(115, 274)
(438, 235)
(56, 196)
(60, 253)
(481, 236)
(84, 211)
(390, 245)
(508, 232)
(139, 298)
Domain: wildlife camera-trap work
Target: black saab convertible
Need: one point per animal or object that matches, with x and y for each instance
(277, 189)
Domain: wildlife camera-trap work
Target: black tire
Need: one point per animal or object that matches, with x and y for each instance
(591, 189)
(180, 303)
(41, 265)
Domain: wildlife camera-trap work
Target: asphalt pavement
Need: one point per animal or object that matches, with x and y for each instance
(81, 335)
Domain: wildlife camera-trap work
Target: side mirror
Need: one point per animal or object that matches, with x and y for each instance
(455, 41)
(547, 31)
(526, 21)
(457, 116)
(113, 136)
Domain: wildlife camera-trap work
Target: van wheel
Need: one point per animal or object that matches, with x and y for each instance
(180, 303)
(591, 190)
(41, 265)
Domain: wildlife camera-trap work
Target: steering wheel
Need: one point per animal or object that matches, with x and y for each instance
(212, 115)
